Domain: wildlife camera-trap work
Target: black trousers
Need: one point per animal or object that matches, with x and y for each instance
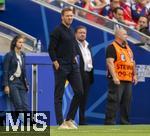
(86, 85)
(119, 98)
(70, 72)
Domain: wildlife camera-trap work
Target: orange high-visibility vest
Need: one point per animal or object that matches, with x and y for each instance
(124, 64)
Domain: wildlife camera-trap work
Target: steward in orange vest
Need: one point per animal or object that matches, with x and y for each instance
(122, 73)
(124, 64)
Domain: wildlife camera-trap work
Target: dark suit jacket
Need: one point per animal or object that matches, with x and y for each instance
(145, 30)
(81, 61)
(10, 66)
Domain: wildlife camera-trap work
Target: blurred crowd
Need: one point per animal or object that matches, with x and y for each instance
(133, 13)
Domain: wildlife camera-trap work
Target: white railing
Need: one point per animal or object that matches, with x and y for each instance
(9, 32)
(98, 21)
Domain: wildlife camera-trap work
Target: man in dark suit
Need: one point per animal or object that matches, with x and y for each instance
(62, 51)
(86, 68)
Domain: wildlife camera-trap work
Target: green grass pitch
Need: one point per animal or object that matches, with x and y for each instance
(101, 130)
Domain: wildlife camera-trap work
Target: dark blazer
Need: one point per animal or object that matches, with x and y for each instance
(10, 66)
(145, 30)
(81, 61)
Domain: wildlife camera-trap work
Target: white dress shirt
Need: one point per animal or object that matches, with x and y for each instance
(19, 61)
(86, 54)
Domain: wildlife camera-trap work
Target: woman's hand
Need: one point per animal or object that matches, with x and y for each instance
(7, 90)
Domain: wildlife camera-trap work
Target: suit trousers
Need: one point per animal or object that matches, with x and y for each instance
(70, 72)
(86, 78)
(19, 95)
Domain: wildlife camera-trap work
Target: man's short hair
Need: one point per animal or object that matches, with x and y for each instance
(65, 10)
(116, 9)
(118, 30)
(80, 27)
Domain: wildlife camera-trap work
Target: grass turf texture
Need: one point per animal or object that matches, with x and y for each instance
(101, 130)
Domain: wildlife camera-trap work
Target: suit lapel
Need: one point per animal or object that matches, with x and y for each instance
(14, 55)
(79, 50)
(22, 59)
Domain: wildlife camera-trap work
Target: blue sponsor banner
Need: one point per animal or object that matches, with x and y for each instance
(40, 26)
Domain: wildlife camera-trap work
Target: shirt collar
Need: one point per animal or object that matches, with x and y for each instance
(86, 43)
